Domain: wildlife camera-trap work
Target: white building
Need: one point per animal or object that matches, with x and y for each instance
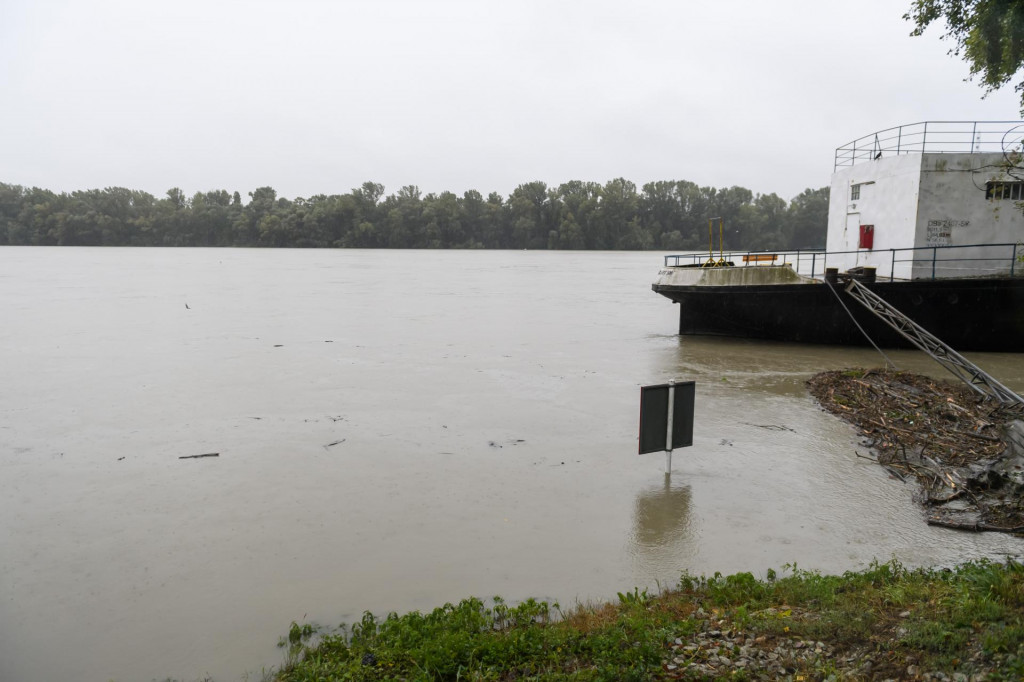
(914, 201)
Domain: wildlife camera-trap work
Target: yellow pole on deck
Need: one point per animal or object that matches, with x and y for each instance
(711, 243)
(721, 243)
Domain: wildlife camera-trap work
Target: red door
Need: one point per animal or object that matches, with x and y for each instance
(867, 237)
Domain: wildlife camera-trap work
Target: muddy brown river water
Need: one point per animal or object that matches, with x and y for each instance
(395, 429)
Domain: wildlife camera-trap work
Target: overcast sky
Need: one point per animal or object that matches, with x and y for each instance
(314, 97)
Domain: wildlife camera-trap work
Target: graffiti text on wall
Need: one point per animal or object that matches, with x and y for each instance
(940, 232)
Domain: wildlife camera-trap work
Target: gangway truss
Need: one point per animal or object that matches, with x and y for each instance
(961, 367)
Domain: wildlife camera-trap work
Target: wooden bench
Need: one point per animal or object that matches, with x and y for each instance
(760, 258)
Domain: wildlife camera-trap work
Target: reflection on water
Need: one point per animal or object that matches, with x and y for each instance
(663, 534)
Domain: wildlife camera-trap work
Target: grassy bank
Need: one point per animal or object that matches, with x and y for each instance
(885, 622)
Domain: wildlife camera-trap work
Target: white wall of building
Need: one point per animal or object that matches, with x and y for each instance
(888, 200)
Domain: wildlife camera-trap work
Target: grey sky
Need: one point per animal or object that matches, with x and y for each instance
(315, 97)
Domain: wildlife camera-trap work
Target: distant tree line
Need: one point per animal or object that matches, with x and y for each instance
(670, 215)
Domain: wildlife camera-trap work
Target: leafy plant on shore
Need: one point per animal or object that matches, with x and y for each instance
(634, 597)
(298, 637)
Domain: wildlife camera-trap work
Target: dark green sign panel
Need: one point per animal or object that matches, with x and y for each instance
(654, 412)
(653, 418)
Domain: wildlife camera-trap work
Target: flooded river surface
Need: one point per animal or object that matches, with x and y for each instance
(395, 429)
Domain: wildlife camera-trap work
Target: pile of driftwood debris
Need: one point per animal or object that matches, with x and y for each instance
(966, 453)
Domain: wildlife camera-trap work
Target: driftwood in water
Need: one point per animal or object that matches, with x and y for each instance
(208, 454)
(966, 453)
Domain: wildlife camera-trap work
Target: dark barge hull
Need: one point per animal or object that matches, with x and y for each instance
(983, 314)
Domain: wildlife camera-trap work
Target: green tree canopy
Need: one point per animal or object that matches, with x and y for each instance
(989, 35)
(667, 214)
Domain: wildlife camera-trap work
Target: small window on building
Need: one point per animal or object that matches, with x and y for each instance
(854, 192)
(1005, 190)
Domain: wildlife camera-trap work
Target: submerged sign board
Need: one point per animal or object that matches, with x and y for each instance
(666, 416)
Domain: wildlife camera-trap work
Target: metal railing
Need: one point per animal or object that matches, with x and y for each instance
(929, 262)
(934, 137)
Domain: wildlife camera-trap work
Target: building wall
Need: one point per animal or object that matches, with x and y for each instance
(925, 201)
(888, 200)
(953, 211)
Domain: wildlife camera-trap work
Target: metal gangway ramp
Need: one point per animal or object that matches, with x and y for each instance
(964, 369)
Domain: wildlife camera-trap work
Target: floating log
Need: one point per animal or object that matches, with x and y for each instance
(208, 454)
(990, 439)
(958, 525)
(976, 526)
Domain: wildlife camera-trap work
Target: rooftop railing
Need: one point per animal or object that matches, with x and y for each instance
(924, 262)
(934, 137)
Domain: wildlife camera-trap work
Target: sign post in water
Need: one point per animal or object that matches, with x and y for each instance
(666, 418)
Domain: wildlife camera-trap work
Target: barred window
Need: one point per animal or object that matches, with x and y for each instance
(1005, 190)
(854, 192)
